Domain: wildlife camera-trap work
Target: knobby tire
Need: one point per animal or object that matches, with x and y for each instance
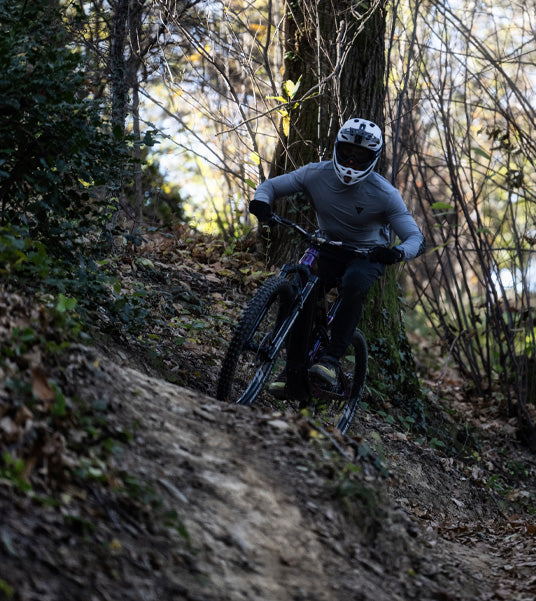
(359, 344)
(248, 364)
(334, 407)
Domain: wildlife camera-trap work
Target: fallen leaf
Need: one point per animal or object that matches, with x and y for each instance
(40, 386)
(8, 430)
(23, 415)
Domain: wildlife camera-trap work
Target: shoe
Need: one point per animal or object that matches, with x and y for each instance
(277, 388)
(297, 389)
(326, 371)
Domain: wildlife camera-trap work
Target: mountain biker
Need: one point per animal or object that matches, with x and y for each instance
(353, 204)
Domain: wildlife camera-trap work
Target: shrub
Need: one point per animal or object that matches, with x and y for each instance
(56, 151)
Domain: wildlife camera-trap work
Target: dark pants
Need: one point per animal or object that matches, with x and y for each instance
(356, 277)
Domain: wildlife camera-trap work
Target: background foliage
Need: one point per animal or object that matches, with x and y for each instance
(57, 154)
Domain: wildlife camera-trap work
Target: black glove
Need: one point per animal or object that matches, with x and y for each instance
(261, 210)
(387, 256)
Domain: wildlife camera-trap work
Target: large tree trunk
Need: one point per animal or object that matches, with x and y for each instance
(338, 54)
(339, 58)
(118, 66)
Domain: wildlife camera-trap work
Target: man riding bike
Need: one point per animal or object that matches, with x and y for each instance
(353, 204)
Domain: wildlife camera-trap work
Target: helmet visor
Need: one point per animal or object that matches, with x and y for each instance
(353, 156)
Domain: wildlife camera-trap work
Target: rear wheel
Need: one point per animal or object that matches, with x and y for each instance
(360, 359)
(250, 357)
(337, 407)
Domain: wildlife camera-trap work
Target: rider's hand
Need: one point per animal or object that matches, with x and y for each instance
(387, 256)
(261, 210)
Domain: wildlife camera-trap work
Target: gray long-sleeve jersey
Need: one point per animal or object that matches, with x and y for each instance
(361, 214)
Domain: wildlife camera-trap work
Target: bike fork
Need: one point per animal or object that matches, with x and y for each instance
(286, 326)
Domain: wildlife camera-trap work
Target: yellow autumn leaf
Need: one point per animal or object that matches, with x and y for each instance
(257, 27)
(286, 125)
(289, 88)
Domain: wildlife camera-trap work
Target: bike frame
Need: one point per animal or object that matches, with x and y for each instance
(303, 269)
(309, 260)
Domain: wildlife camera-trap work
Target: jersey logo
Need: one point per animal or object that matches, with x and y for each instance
(359, 209)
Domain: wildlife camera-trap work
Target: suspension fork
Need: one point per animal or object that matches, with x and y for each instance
(304, 284)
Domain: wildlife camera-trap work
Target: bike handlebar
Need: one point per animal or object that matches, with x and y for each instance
(317, 238)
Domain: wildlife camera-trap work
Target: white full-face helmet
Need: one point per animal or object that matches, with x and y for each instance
(357, 149)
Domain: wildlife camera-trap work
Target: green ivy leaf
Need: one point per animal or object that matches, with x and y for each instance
(65, 304)
(442, 206)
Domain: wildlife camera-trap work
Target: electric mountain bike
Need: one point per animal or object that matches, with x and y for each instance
(258, 348)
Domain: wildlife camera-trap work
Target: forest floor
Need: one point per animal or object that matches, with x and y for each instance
(123, 479)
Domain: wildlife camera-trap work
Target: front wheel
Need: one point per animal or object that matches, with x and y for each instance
(253, 349)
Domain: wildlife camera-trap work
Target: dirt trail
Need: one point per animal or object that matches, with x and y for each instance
(264, 515)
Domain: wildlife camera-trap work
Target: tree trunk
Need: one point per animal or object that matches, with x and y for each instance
(135, 31)
(338, 54)
(119, 85)
(118, 66)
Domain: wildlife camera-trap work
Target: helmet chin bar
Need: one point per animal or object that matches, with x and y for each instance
(349, 176)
